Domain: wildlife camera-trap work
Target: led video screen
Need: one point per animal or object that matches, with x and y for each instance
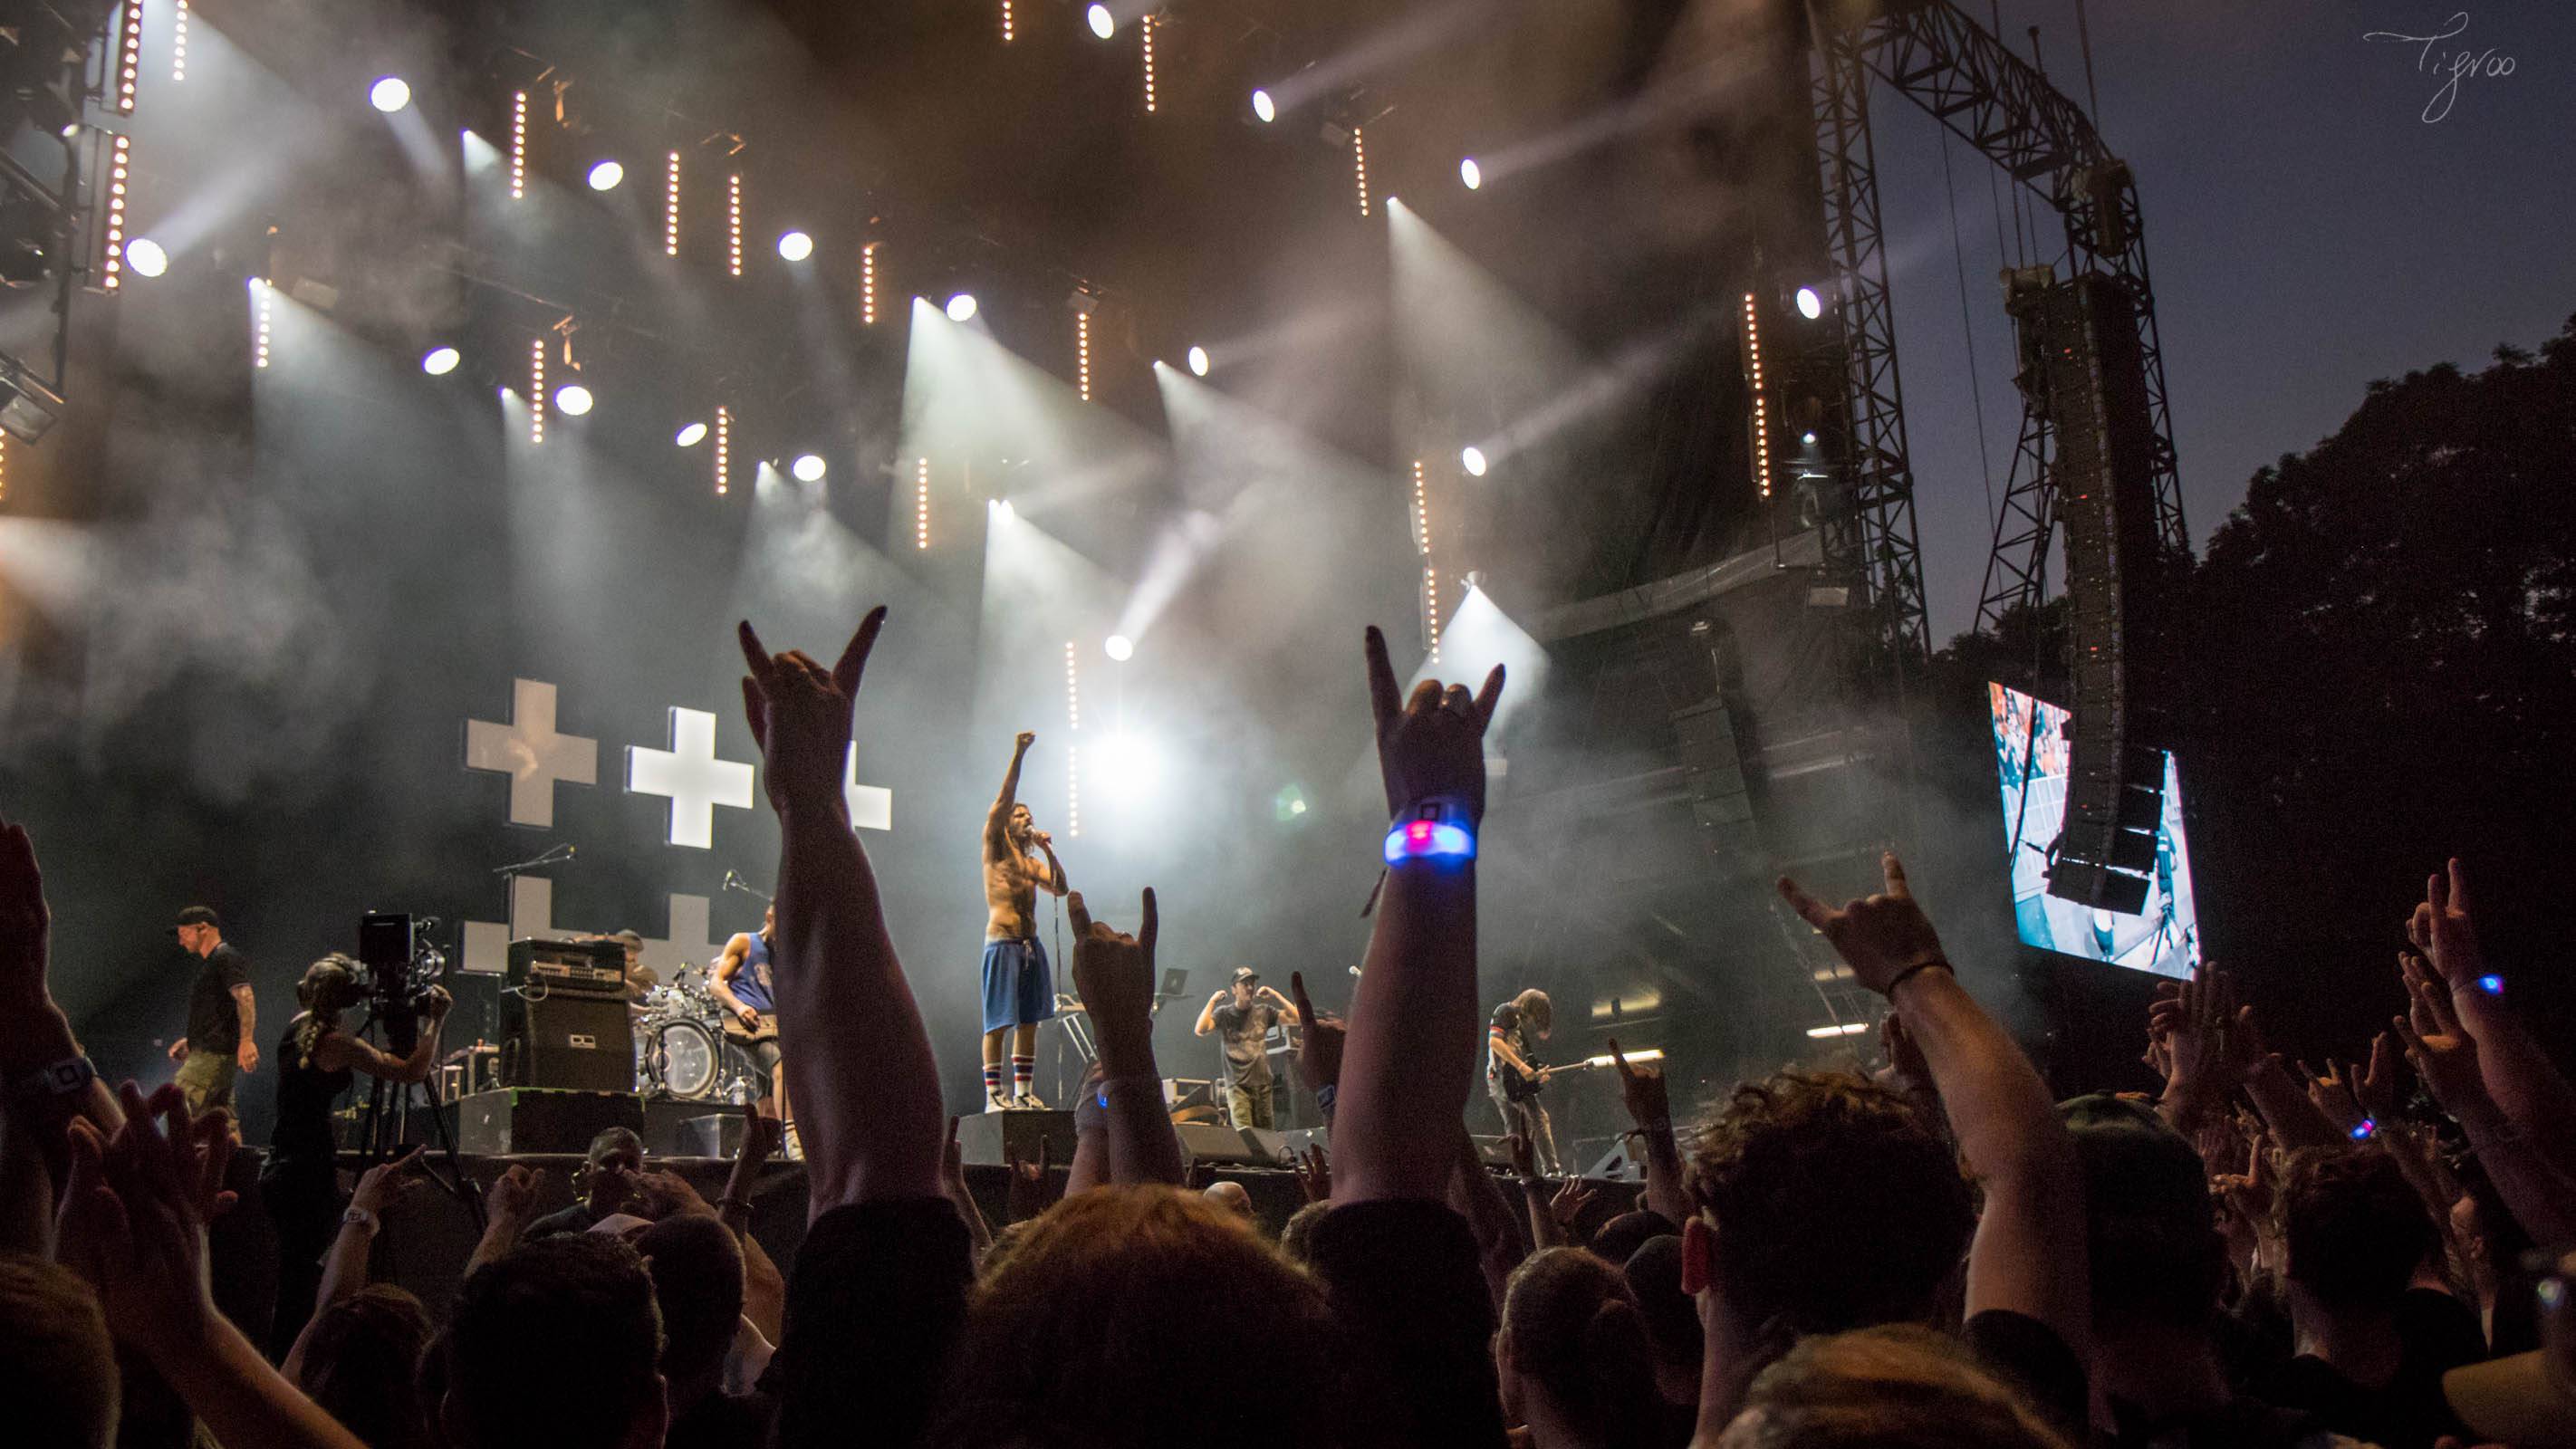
(2030, 758)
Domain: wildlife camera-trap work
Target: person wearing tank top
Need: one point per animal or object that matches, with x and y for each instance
(744, 985)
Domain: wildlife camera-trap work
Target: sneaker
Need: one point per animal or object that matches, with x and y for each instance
(789, 1146)
(1028, 1101)
(996, 1102)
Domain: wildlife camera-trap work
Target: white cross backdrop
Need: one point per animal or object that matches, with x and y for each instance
(532, 911)
(692, 776)
(687, 945)
(531, 753)
(871, 806)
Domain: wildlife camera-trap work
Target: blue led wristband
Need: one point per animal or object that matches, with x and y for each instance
(1435, 829)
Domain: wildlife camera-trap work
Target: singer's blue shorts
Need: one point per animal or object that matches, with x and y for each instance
(1018, 988)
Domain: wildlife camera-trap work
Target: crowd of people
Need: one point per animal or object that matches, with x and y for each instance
(1940, 1255)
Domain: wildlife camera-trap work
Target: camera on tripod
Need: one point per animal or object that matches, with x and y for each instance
(401, 966)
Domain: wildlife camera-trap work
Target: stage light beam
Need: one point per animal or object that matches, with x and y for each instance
(145, 256)
(1119, 647)
(1264, 109)
(440, 361)
(795, 246)
(1811, 304)
(1199, 363)
(808, 468)
(1473, 460)
(961, 308)
(573, 400)
(1103, 24)
(691, 436)
(1470, 174)
(605, 175)
(390, 94)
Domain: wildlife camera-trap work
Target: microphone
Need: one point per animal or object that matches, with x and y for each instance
(553, 855)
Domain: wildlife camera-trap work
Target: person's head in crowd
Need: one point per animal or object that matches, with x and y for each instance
(1538, 1014)
(1654, 1274)
(697, 1281)
(556, 1343)
(1622, 1236)
(1825, 1204)
(362, 1363)
(328, 988)
(1297, 1236)
(2158, 1261)
(1576, 1363)
(58, 1376)
(609, 1168)
(2354, 1230)
(1122, 1316)
(2492, 1240)
(1896, 1384)
(1234, 1197)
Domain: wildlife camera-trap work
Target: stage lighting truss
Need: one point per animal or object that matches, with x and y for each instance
(1359, 167)
(179, 40)
(129, 54)
(1082, 352)
(1072, 689)
(1145, 28)
(518, 145)
(1761, 391)
(1430, 574)
(537, 391)
(263, 309)
(724, 450)
(671, 206)
(733, 223)
(868, 285)
(921, 504)
(120, 170)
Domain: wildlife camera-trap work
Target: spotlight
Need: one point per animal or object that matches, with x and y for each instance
(961, 308)
(1120, 648)
(572, 400)
(145, 256)
(1199, 361)
(1264, 107)
(796, 246)
(1103, 24)
(1811, 305)
(808, 468)
(390, 94)
(606, 175)
(692, 435)
(1470, 173)
(1473, 460)
(1807, 438)
(1002, 509)
(440, 361)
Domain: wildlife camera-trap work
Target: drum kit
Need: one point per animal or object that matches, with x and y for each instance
(680, 1047)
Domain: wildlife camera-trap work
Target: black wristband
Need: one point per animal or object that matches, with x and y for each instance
(1901, 977)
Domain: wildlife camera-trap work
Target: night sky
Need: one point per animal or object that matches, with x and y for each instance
(2307, 230)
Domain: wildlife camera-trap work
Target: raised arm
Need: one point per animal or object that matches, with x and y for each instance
(997, 820)
(344, 1268)
(1411, 1057)
(1115, 974)
(2520, 1079)
(1054, 884)
(859, 1065)
(50, 1081)
(2029, 1252)
(1649, 1102)
(1207, 1014)
(1287, 1008)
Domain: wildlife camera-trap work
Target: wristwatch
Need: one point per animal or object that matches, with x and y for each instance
(361, 1217)
(62, 1078)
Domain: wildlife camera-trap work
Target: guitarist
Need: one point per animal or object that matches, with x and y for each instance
(742, 983)
(1513, 1078)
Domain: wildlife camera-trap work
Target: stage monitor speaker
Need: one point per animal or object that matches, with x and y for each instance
(718, 1134)
(1296, 1140)
(2086, 372)
(1222, 1146)
(1270, 1142)
(1617, 1165)
(519, 1119)
(994, 1139)
(568, 1041)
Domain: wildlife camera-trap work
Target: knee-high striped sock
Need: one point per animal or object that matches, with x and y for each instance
(1023, 1070)
(992, 1079)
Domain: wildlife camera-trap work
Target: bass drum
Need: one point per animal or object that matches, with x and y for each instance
(686, 1059)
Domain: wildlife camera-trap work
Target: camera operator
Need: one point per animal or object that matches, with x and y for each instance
(317, 1059)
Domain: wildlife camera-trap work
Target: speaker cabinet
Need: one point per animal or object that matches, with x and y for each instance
(993, 1139)
(568, 1041)
(523, 1120)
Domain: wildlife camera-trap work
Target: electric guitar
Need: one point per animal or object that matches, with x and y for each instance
(1519, 1086)
(736, 1031)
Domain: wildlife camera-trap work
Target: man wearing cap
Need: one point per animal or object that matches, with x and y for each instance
(222, 1019)
(1244, 1012)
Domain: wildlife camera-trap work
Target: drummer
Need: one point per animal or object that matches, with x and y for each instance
(640, 978)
